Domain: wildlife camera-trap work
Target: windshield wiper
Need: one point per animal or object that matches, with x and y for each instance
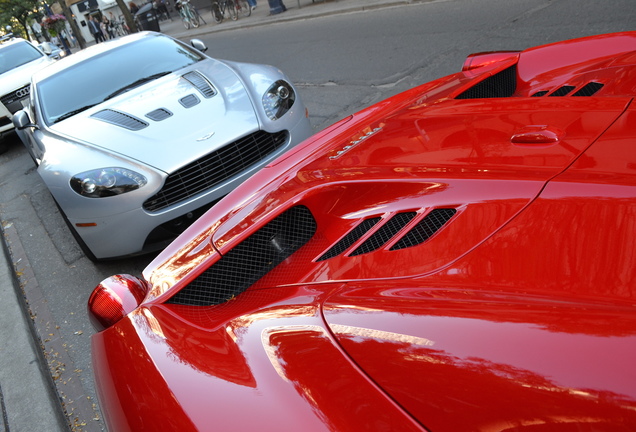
(137, 83)
(72, 113)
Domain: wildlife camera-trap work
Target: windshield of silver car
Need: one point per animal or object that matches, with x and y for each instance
(110, 74)
(16, 55)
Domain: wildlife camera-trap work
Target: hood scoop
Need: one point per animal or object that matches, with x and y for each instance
(503, 84)
(118, 118)
(199, 82)
(391, 231)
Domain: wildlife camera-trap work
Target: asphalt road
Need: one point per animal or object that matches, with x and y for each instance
(341, 64)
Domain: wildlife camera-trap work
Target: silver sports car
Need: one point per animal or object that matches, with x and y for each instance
(136, 137)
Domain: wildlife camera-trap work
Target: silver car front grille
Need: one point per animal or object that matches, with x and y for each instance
(216, 168)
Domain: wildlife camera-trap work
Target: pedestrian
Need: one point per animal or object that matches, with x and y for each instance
(252, 4)
(133, 8)
(95, 29)
(105, 27)
(276, 7)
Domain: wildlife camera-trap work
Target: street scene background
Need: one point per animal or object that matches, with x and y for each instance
(341, 62)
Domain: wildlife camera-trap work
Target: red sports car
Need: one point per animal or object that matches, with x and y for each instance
(460, 257)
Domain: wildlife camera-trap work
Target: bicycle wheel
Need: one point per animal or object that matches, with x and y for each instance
(186, 21)
(243, 8)
(217, 16)
(231, 9)
(195, 18)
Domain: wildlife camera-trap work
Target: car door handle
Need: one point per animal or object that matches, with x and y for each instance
(537, 135)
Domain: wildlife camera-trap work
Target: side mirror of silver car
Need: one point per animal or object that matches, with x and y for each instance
(21, 120)
(198, 44)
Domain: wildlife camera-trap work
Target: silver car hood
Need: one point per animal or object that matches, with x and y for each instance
(170, 121)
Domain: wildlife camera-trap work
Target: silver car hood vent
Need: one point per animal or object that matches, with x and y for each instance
(189, 101)
(159, 114)
(200, 83)
(120, 119)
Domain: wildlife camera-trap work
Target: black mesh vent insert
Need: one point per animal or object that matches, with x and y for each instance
(216, 167)
(350, 238)
(425, 228)
(385, 233)
(588, 89)
(501, 85)
(562, 91)
(540, 93)
(250, 260)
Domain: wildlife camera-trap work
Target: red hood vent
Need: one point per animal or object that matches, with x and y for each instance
(589, 89)
(500, 85)
(250, 260)
(391, 232)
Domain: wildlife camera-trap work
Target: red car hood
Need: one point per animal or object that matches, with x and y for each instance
(461, 360)
(255, 365)
(504, 318)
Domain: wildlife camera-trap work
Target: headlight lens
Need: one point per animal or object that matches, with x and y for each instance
(107, 182)
(278, 99)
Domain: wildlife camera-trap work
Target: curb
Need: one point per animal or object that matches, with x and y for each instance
(77, 410)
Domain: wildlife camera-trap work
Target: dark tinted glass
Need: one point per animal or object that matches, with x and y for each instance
(18, 54)
(98, 78)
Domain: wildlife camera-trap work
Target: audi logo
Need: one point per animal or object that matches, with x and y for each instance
(23, 92)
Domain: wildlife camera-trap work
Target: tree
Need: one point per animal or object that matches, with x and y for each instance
(18, 13)
(130, 20)
(74, 28)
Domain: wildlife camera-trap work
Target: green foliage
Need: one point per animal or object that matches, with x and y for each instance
(17, 14)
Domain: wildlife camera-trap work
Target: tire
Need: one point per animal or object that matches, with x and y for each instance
(186, 22)
(243, 7)
(217, 16)
(231, 8)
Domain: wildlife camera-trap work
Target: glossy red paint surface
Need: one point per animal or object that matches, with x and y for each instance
(517, 314)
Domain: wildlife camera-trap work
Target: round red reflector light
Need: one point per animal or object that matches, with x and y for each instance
(114, 298)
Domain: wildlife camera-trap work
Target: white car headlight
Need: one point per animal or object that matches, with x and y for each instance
(278, 99)
(107, 182)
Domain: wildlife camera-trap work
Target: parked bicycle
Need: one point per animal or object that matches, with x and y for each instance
(234, 8)
(188, 13)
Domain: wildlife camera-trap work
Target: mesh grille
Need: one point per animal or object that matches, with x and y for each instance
(562, 91)
(425, 228)
(350, 238)
(120, 119)
(385, 233)
(250, 260)
(501, 85)
(216, 167)
(540, 93)
(589, 89)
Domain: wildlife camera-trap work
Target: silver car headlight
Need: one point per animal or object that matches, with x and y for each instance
(107, 182)
(278, 99)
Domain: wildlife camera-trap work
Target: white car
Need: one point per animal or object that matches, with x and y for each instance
(152, 135)
(19, 59)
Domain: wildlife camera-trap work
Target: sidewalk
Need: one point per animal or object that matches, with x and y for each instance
(296, 10)
(26, 395)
